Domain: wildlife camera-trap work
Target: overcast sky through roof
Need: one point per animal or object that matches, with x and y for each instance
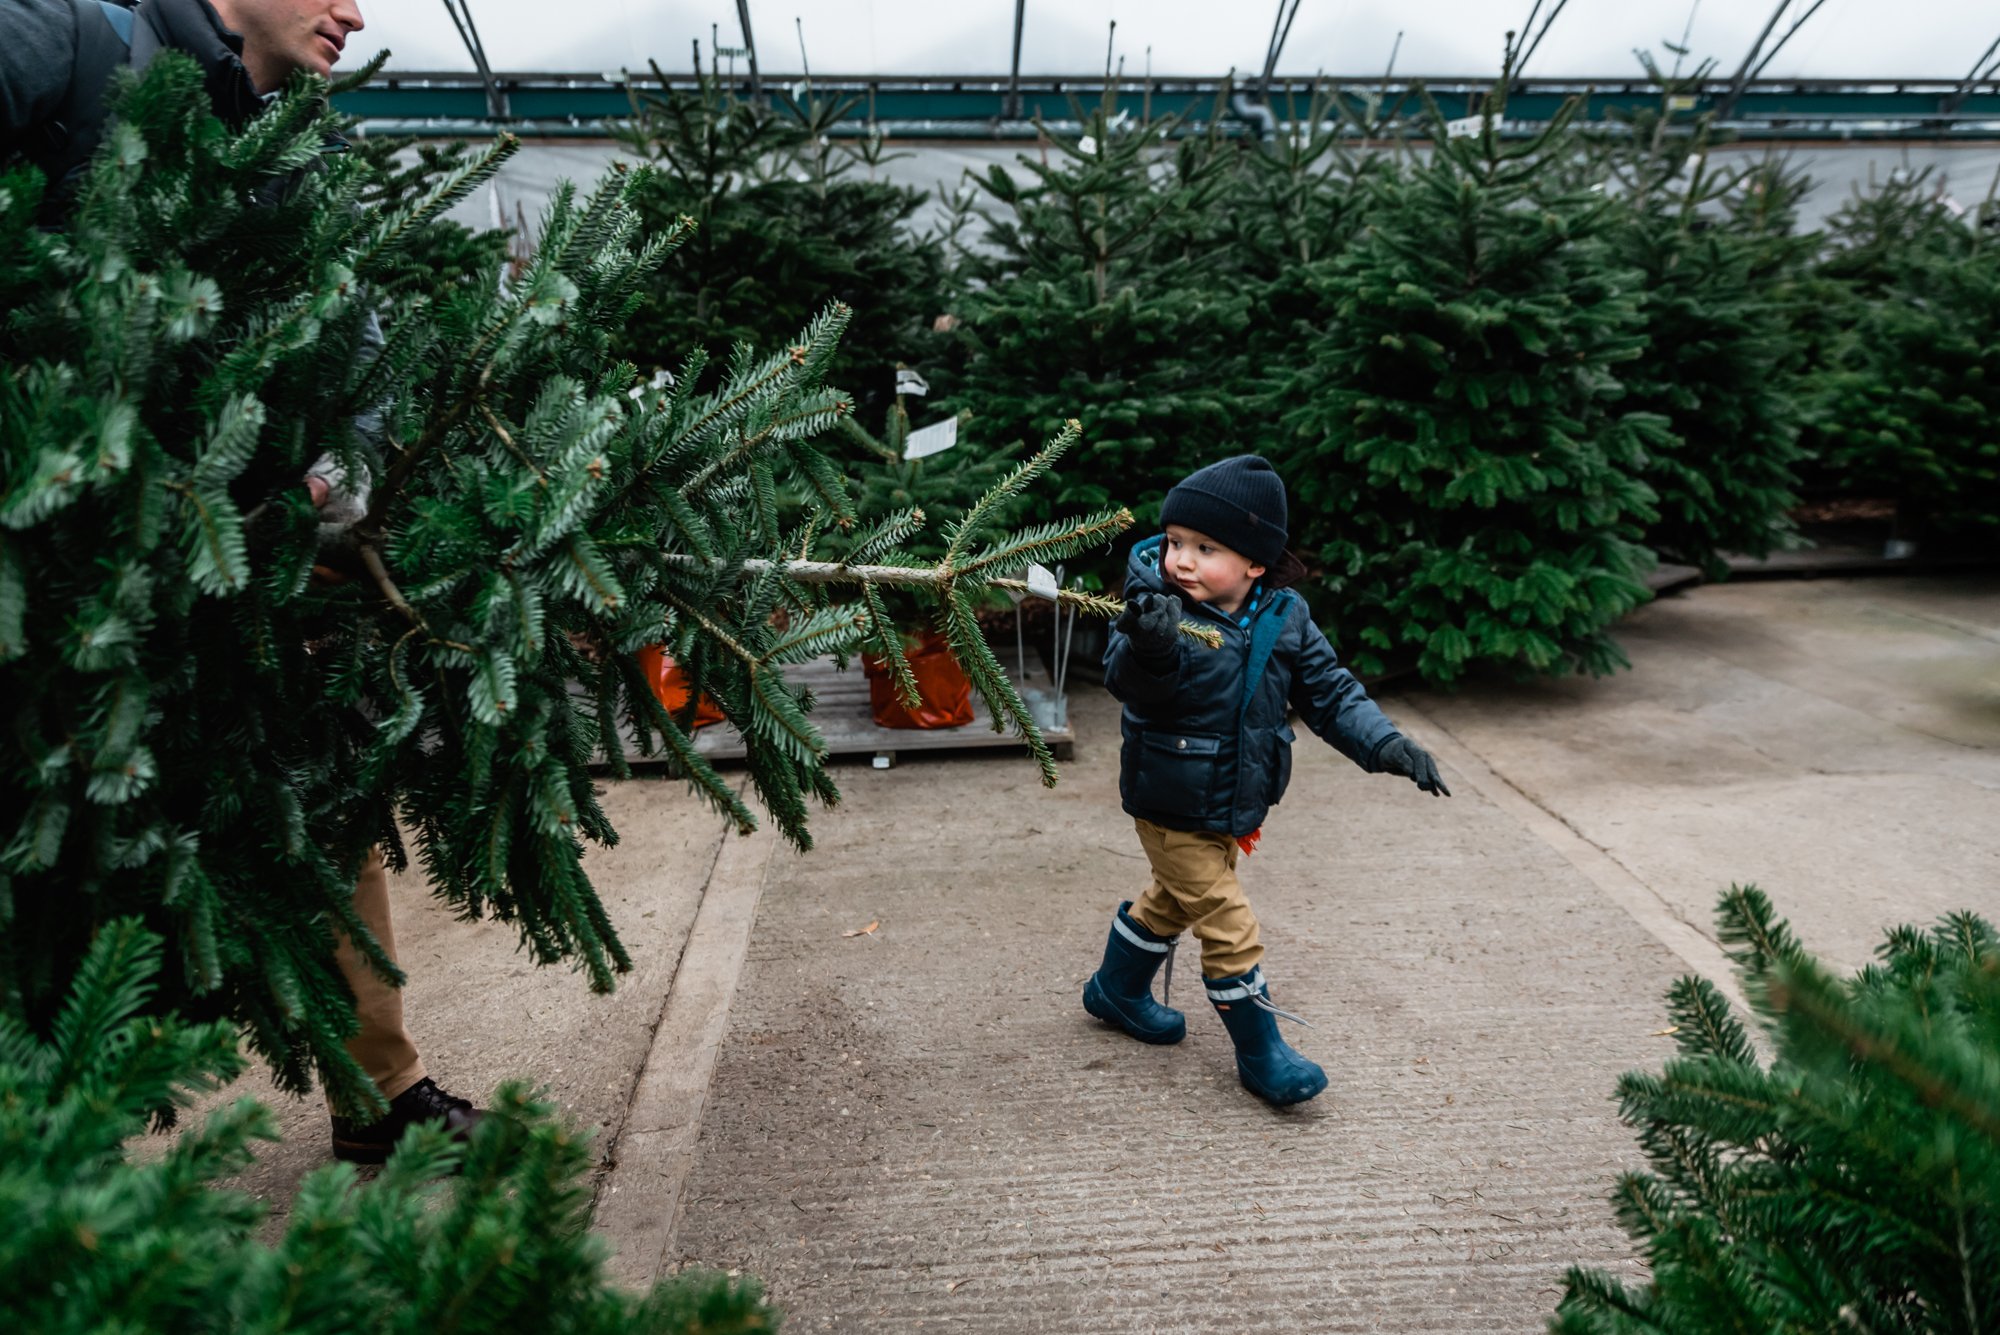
(1846, 38)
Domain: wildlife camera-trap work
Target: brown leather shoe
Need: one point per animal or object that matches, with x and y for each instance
(371, 1142)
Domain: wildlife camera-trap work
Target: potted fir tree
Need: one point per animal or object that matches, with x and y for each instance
(926, 471)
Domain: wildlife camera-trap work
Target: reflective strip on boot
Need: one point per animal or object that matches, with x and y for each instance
(1251, 986)
(1252, 989)
(1119, 925)
(1167, 947)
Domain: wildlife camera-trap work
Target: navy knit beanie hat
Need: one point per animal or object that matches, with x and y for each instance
(1239, 502)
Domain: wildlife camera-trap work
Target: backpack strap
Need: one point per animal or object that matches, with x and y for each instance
(121, 19)
(1264, 633)
(103, 45)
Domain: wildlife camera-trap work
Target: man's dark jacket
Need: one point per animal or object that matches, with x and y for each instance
(57, 56)
(55, 63)
(1206, 745)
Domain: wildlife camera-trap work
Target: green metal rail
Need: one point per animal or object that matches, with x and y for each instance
(452, 105)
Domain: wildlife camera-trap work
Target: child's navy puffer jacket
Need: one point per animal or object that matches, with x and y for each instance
(1200, 752)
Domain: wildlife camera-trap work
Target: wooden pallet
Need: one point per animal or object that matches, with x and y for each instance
(842, 714)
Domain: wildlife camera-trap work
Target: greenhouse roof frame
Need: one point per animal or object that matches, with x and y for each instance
(454, 104)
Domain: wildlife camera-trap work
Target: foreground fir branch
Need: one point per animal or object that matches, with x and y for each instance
(486, 1237)
(1851, 1182)
(814, 627)
(223, 703)
(839, 572)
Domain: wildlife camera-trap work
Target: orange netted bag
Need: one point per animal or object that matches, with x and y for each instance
(670, 686)
(944, 691)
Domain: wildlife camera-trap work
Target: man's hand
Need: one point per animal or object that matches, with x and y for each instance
(1400, 755)
(340, 504)
(1152, 622)
(341, 500)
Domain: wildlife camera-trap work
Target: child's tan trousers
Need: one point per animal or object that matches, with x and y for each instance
(1195, 889)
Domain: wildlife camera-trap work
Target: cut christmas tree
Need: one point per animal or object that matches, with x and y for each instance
(1097, 294)
(1464, 469)
(1722, 365)
(223, 703)
(486, 1237)
(1846, 1179)
(1910, 380)
(786, 219)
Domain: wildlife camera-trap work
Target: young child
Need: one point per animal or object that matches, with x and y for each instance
(1207, 751)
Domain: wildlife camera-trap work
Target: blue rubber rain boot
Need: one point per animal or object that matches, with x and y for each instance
(1267, 1065)
(1121, 991)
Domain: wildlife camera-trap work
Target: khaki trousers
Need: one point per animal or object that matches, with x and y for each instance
(1195, 889)
(383, 1047)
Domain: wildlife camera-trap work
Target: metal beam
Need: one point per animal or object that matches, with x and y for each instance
(1012, 109)
(750, 45)
(1980, 71)
(1281, 29)
(468, 32)
(1790, 32)
(1535, 44)
(455, 103)
(1752, 66)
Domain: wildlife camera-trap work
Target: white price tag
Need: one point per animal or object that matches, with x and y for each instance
(933, 439)
(1464, 127)
(1087, 145)
(909, 382)
(799, 91)
(1042, 582)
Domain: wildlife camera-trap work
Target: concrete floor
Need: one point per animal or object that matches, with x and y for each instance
(918, 1128)
(921, 1129)
(482, 1013)
(1837, 742)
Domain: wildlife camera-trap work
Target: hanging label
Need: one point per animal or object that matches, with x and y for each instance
(1087, 145)
(1042, 582)
(1463, 127)
(799, 91)
(933, 439)
(909, 382)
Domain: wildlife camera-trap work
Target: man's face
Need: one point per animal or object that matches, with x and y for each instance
(281, 37)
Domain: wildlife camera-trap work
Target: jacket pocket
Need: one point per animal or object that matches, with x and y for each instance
(1281, 763)
(1174, 772)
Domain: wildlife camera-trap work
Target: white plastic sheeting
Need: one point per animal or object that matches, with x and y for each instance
(1964, 173)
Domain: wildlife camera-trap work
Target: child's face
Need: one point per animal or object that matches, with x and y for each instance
(1202, 569)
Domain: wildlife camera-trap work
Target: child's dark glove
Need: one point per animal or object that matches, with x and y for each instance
(1152, 622)
(1400, 755)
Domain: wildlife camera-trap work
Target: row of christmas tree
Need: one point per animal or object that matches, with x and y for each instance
(1506, 374)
